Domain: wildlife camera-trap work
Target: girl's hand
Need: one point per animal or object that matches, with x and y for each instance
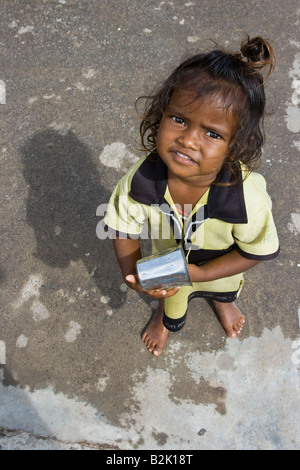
(133, 282)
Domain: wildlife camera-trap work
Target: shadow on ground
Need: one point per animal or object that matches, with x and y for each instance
(64, 193)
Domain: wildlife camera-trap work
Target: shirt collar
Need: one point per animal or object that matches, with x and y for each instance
(226, 203)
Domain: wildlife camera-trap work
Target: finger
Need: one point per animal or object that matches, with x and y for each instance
(163, 293)
(131, 278)
(171, 292)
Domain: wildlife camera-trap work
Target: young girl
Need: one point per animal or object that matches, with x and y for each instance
(203, 129)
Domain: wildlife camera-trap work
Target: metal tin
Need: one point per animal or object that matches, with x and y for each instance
(163, 270)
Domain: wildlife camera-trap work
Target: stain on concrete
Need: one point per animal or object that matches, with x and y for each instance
(184, 387)
(160, 437)
(293, 105)
(116, 155)
(2, 352)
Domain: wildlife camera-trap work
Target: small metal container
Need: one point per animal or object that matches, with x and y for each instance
(163, 270)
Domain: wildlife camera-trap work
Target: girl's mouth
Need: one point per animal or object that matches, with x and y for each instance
(182, 158)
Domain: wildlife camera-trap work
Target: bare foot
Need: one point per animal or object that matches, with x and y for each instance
(230, 316)
(155, 334)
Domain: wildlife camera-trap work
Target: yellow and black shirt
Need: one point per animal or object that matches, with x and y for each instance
(225, 217)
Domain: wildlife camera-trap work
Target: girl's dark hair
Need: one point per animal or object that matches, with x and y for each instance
(237, 79)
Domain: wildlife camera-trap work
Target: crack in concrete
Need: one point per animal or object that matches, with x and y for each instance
(7, 436)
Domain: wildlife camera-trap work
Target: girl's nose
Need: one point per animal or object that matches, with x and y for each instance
(190, 139)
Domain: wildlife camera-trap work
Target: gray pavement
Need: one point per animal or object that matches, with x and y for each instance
(74, 373)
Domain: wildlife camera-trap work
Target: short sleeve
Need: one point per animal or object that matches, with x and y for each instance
(124, 216)
(258, 238)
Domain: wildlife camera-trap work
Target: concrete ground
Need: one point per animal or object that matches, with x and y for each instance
(74, 372)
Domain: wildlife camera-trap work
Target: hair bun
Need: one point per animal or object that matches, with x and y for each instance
(258, 53)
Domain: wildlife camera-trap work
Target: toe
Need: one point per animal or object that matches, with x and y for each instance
(231, 333)
(148, 343)
(157, 351)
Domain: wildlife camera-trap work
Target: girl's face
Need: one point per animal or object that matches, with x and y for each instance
(193, 137)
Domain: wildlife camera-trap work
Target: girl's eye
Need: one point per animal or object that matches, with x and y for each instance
(213, 135)
(177, 119)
